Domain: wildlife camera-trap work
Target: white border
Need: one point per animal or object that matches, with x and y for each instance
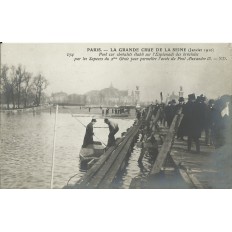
(115, 21)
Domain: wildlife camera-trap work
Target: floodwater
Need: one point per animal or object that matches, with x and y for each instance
(26, 145)
(135, 168)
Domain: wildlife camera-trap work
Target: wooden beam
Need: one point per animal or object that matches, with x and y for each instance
(109, 177)
(166, 148)
(92, 171)
(113, 159)
(96, 168)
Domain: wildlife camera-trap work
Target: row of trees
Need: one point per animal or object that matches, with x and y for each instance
(20, 88)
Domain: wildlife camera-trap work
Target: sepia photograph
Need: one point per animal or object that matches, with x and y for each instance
(115, 116)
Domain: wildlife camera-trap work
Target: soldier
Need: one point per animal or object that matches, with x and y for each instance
(88, 139)
(113, 128)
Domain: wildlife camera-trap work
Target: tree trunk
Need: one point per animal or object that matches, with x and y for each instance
(25, 101)
(39, 98)
(18, 99)
(13, 99)
(8, 101)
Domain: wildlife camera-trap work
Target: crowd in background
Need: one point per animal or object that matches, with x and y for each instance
(200, 116)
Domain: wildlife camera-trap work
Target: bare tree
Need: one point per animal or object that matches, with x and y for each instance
(18, 86)
(12, 78)
(19, 78)
(6, 85)
(27, 87)
(40, 84)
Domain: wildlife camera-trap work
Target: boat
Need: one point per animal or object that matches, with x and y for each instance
(92, 151)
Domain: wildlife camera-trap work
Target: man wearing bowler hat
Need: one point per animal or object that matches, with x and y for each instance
(88, 139)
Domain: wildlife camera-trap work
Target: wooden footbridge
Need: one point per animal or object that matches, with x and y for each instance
(105, 170)
(174, 167)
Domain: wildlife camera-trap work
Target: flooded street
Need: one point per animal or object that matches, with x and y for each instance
(27, 143)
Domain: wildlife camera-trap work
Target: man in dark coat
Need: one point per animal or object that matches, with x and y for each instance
(209, 122)
(166, 111)
(88, 139)
(180, 132)
(193, 125)
(204, 116)
(138, 114)
(113, 128)
(170, 113)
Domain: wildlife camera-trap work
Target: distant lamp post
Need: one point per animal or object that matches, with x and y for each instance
(137, 95)
(181, 92)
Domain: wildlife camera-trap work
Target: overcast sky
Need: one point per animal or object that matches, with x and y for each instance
(212, 78)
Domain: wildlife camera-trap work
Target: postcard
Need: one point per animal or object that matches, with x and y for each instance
(117, 115)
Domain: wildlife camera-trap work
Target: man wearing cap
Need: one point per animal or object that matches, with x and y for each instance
(88, 139)
(113, 128)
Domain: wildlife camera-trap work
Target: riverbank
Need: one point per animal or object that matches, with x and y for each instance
(30, 109)
(96, 111)
(74, 110)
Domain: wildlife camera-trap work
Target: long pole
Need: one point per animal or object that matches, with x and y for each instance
(93, 135)
(54, 145)
(0, 72)
(0, 103)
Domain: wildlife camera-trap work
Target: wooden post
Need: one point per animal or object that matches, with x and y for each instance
(0, 72)
(54, 145)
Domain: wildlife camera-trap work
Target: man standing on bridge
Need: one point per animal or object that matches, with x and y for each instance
(113, 127)
(193, 121)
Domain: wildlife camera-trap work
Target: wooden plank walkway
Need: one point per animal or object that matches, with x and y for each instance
(176, 167)
(199, 170)
(103, 173)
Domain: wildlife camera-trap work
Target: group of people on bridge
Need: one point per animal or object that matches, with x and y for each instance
(213, 117)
